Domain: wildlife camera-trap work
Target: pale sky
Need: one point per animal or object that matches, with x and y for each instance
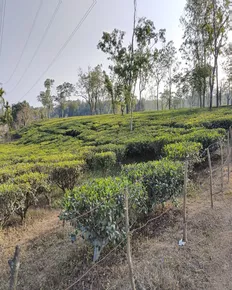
(81, 50)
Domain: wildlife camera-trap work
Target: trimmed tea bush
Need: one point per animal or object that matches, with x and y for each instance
(30, 187)
(8, 193)
(104, 200)
(103, 161)
(183, 150)
(162, 180)
(66, 174)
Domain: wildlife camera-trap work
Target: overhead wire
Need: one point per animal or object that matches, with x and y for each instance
(2, 25)
(39, 45)
(63, 46)
(27, 41)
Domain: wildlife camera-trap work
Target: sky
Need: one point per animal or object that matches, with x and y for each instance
(81, 50)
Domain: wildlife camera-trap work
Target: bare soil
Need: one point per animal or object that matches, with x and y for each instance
(49, 261)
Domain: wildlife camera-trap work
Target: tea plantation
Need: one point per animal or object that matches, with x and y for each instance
(85, 163)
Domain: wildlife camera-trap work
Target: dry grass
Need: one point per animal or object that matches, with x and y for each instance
(50, 261)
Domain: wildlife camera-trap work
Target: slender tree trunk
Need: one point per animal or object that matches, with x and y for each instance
(127, 109)
(113, 104)
(204, 92)
(140, 99)
(212, 78)
(200, 99)
(217, 87)
(220, 97)
(157, 97)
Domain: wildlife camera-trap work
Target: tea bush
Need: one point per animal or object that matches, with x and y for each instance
(183, 150)
(104, 200)
(103, 161)
(8, 197)
(162, 179)
(66, 174)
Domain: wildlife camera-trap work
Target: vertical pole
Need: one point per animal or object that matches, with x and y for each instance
(222, 165)
(14, 269)
(228, 158)
(129, 259)
(230, 130)
(211, 177)
(184, 202)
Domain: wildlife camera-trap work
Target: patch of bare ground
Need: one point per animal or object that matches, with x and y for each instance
(50, 261)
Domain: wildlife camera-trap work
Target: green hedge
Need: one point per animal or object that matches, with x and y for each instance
(161, 179)
(66, 174)
(103, 161)
(183, 150)
(104, 200)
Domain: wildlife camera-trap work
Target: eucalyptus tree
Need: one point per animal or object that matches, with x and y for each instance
(205, 30)
(172, 65)
(2, 101)
(91, 87)
(46, 98)
(129, 69)
(64, 92)
(114, 89)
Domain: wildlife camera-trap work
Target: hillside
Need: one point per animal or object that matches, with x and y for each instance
(82, 166)
(76, 136)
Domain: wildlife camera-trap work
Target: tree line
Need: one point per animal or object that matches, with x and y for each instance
(148, 69)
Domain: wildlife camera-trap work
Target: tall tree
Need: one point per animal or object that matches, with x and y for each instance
(2, 101)
(114, 90)
(205, 27)
(218, 27)
(131, 63)
(46, 98)
(172, 65)
(64, 92)
(22, 114)
(90, 86)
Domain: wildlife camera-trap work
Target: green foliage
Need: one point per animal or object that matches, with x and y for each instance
(183, 150)
(161, 179)
(103, 161)
(66, 174)
(20, 193)
(31, 186)
(8, 194)
(104, 200)
(54, 150)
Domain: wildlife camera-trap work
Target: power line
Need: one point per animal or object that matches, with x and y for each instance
(2, 25)
(63, 46)
(39, 45)
(27, 41)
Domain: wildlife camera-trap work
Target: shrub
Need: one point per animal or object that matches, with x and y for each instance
(161, 179)
(8, 194)
(103, 161)
(118, 149)
(66, 174)
(205, 136)
(103, 200)
(183, 150)
(30, 187)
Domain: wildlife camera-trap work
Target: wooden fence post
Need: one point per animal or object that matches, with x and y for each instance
(14, 269)
(228, 158)
(222, 165)
(129, 259)
(184, 202)
(230, 130)
(211, 177)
